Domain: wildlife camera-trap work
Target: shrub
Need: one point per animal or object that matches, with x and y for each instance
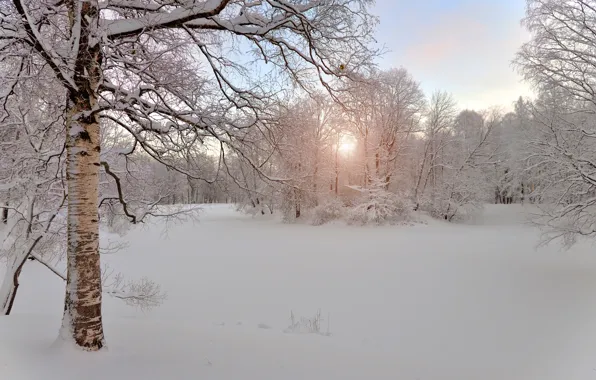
(379, 206)
(327, 211)
(450, 209)
(305, 325)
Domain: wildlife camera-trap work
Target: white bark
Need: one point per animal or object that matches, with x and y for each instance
(82, 311)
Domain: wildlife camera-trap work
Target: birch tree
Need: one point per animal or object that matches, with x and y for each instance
(33, 186)
(163, 72)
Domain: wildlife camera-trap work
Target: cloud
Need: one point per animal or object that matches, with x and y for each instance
(465, 47)
(450, 38)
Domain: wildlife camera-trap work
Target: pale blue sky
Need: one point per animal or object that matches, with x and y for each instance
(461, 46)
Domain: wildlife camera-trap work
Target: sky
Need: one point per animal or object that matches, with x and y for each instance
(464, 47)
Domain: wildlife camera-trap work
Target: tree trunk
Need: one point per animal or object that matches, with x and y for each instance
(82, 309)
(297, 203)
(377, 164)
(30, 216)
(315, 178)
(337, 166)
(10, 284)
(366, 173)
(417, 191)
(9, 287)
(82, 320)
(11, 295)
(5, 214)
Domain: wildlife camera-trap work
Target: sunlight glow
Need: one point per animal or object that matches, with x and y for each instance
(347, 144)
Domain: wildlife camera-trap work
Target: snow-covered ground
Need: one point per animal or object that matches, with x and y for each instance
(428, 302)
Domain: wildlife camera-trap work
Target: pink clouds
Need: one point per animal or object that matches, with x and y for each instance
(466, 49)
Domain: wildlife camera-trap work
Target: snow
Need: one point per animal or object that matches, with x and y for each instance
(431, 301)
(127, 26)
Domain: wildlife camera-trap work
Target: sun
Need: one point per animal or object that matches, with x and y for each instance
(347, 144)
(346, 147)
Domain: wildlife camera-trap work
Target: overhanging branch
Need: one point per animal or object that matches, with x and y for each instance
(106, 167)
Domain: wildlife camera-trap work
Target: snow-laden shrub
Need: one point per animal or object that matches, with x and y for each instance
(327, 211)
(457, 199)
(255, 206)
(144, 294)
(379, 206)
(304, 325)
(295, 204)
(451, 210)
(290, 204)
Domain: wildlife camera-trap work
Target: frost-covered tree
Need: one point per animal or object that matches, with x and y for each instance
(32, 177)
(468, 153)
(34, 190)
(512, 179)
(305, 138)
(164, 72)
(560, 60)
(452, 176)
(384, 113)
(440, 116)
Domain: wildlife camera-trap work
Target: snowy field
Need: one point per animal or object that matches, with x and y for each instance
(425, 302)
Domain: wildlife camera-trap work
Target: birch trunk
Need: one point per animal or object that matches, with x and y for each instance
(82, 321)
(82, 309)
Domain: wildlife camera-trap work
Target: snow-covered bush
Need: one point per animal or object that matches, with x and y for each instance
(144, 294)
(295, 204)
(450, 210)
(379, 206)
(255, 205)
(305, 325)
(460, 195)
(327, 211)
